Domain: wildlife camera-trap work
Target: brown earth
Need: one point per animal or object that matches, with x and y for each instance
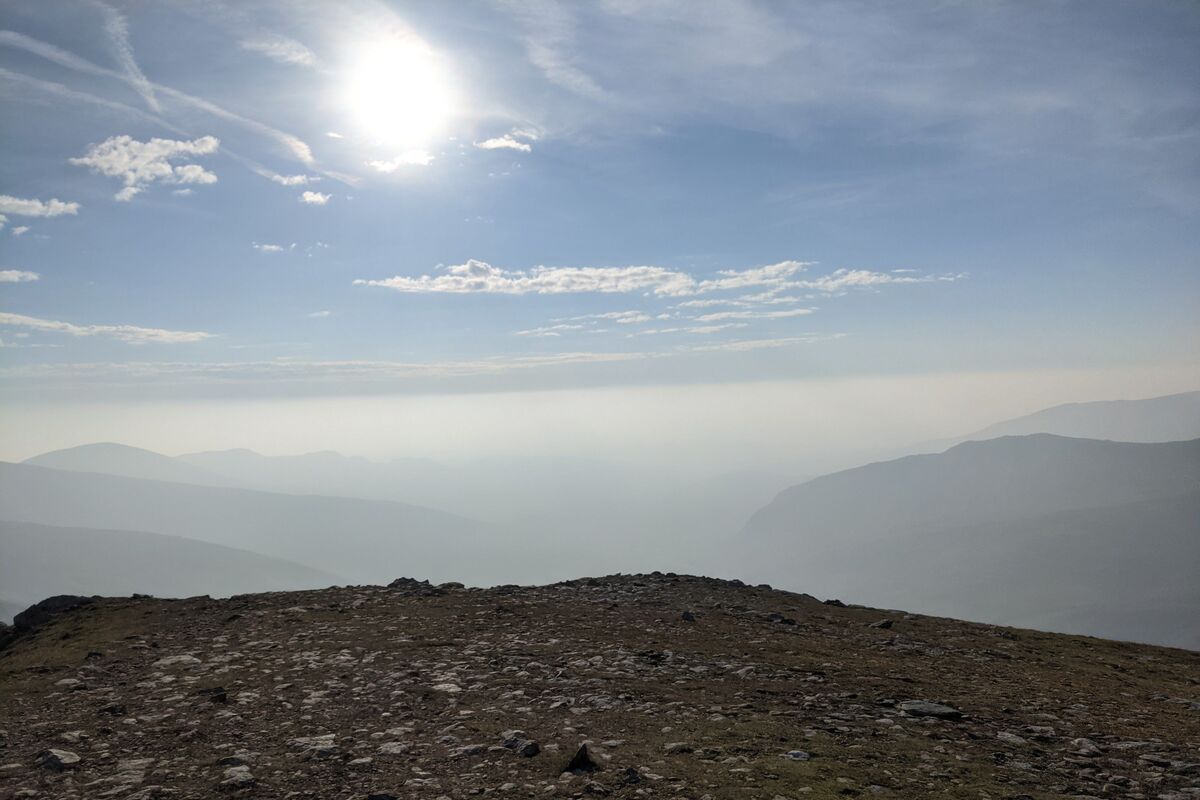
(422, 692)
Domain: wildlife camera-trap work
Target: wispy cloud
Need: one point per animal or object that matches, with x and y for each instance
(117, 28)
(479, 276)
(550, 32)
(138, 164)
(716, 328)
(550, 330)
(776, 284)
(132, 334)
(20, 230)
(319, 314)
(293, 144)
(315, 198)
(769, 275)
(842, 279)
(586, 323)
(619, 317)
(269, 248)
(707, 302)
(720, 315)
(409, 158)
(517, 139)
(771, 297)
(740, 311)
(17, 276)
(743, 345)
(693, 329)
(281, 49)
(66, 93)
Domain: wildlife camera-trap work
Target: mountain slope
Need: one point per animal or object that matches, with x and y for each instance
(1042, 531)
(42, 560)
(420, 691)
(110, 458)
(1171, 418)
(1124, 572)
(975, 483)
(360, 539)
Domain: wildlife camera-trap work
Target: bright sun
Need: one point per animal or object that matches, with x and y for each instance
(398, 92)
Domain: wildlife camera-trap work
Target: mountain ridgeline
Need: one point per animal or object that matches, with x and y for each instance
(988, 481)
(1171, 418)
(1090, 536)
(1030, 527)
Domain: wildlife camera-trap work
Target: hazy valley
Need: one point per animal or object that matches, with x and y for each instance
(1034, 529)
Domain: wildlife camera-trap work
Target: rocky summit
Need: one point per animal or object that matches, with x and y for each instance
(627, 686)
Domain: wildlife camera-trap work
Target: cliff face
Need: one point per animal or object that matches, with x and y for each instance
(678, 686)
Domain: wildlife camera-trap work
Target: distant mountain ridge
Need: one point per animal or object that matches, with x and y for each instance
(1170, 418)
(42, 560)
(1043, 531)
(111, 458)
(363, 540)
(1167, 418)
(980, 481)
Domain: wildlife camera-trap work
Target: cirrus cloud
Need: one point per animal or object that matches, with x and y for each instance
(281, 49)
(842, 279)
(721, 315)
(132, 334)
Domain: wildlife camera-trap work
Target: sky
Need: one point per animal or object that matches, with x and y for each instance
(209, 206)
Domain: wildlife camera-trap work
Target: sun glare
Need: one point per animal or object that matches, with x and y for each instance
(398, 93)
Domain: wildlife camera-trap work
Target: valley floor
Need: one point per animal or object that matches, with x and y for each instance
(679, 686)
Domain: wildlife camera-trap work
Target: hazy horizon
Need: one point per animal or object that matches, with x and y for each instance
(835, 423)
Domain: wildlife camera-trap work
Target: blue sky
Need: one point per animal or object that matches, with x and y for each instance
(206, 200)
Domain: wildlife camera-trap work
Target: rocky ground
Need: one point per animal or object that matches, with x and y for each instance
(627, 686)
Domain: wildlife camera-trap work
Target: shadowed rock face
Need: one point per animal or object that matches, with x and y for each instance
(589, 687)
(40, 613)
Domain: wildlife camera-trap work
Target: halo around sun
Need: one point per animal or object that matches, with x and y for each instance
(398, 93)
